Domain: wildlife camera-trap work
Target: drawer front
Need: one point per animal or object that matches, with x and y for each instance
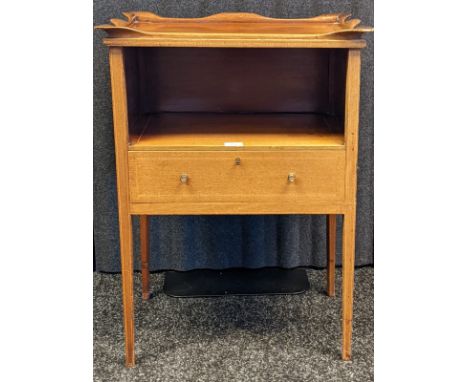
(242, 176)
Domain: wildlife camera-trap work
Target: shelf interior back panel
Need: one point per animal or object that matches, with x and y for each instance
(235, 80)
(221, 131)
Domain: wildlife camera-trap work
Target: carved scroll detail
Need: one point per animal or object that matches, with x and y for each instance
(147, 23)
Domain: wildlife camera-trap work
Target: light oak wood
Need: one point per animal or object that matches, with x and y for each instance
(269, 41)
(349, 219)
(295, 111)
(235, 30)
(144, 249)
(119, 104)
(214, 177)
(236, 208)
(209, 131)
(331, 254)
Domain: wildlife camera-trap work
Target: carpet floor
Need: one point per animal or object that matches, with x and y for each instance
(234, 338)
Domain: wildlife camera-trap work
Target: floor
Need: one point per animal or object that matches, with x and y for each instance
(275, 338)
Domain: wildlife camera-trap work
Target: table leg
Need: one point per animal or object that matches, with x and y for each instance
(119, 104)
(126, 255)
(349, 223)
(144, 248)
(331, 254)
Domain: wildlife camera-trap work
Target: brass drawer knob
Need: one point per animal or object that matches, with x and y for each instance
(237, 161)
(184, 179)
(291, 177)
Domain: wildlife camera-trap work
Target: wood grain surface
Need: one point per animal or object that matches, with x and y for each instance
(144, 249)
(331, 254)
(215, 177)
(235, 30)
(349, 219)
(289, 116)
(231, 80)
(119, 104)
(216, 131)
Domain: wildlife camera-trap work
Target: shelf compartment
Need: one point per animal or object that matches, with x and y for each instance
(220, 131)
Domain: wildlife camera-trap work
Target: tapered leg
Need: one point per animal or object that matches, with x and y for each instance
(119, 104)
(331, 244)
(126, 255)
(144, 248)
(349, 223)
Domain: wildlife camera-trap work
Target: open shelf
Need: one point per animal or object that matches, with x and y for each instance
(235, 99)
(222, 131)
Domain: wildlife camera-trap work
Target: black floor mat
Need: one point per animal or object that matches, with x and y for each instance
(239, 281)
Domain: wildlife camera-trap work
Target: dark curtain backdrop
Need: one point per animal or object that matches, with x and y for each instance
(190, 242)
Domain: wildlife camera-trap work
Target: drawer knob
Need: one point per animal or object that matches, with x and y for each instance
(291, 177)
(237, 161)
(184, 178)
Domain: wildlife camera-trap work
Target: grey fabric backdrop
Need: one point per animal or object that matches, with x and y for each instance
(191, 242)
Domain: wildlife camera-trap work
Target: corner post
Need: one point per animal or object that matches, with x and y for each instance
(119, 105)
(349, 218)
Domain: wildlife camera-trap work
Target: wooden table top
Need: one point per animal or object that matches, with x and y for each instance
(235, 30)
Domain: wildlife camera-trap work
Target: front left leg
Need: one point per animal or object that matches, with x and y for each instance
(126, 246)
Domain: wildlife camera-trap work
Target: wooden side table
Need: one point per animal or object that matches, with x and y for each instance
(235, 113)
